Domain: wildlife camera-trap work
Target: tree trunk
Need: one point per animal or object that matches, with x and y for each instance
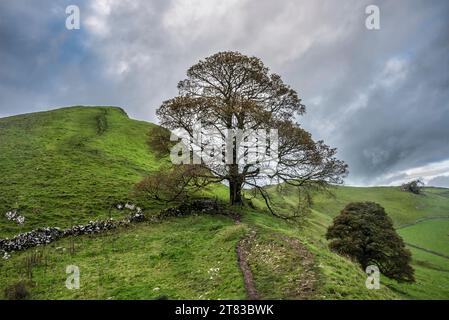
(235, 192)
(235, 179)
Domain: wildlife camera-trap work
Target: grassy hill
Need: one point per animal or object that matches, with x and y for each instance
(403, 207)
(422, 220)
(72, 165)
(69, 165)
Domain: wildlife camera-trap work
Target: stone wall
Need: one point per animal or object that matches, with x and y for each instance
(47, 235)
(43, 236)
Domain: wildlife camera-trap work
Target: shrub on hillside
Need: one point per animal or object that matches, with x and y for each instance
(175, 184)
(102, 123)
(414, 186)
(197, 206)
(17, 291)
(159, 141)
(364, 231)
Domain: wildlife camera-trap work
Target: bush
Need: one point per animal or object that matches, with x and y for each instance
(197, 206)
(102, 123)
(17, 291)
(159, 141)
(364, 231)
(414, 186)
(175, 184)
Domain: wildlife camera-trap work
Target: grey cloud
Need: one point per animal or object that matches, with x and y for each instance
(440, 181)
(381, 97)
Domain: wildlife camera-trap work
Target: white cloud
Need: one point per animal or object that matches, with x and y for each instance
(427, 173)
(97, 19)
(395, 71)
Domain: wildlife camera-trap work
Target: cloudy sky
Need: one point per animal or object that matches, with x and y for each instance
(380, 96)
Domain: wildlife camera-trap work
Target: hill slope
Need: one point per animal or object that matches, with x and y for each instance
(71, 165)
(422, 221)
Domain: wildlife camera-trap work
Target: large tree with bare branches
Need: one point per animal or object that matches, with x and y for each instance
(229, 92)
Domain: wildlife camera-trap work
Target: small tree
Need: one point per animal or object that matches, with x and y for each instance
(364, 231)
(414, 186)
(172, 185)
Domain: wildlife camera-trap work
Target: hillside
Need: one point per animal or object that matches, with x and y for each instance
(72, 165)
(422, 221)
(403, 207)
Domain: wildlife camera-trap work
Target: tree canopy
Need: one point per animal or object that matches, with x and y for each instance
(364, 231)
(246, 117)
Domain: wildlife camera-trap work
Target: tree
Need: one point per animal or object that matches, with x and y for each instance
(414, 186)
(172, 185)
(364, 231)
(233, 96)
(159, 141)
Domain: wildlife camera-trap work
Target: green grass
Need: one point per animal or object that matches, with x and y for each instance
(338, 277)
(431, 234)
(403, 207)
(274, 266)
(179, 257)
(432, 278)
(431, 270)
(175, 256)
(70, 165)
